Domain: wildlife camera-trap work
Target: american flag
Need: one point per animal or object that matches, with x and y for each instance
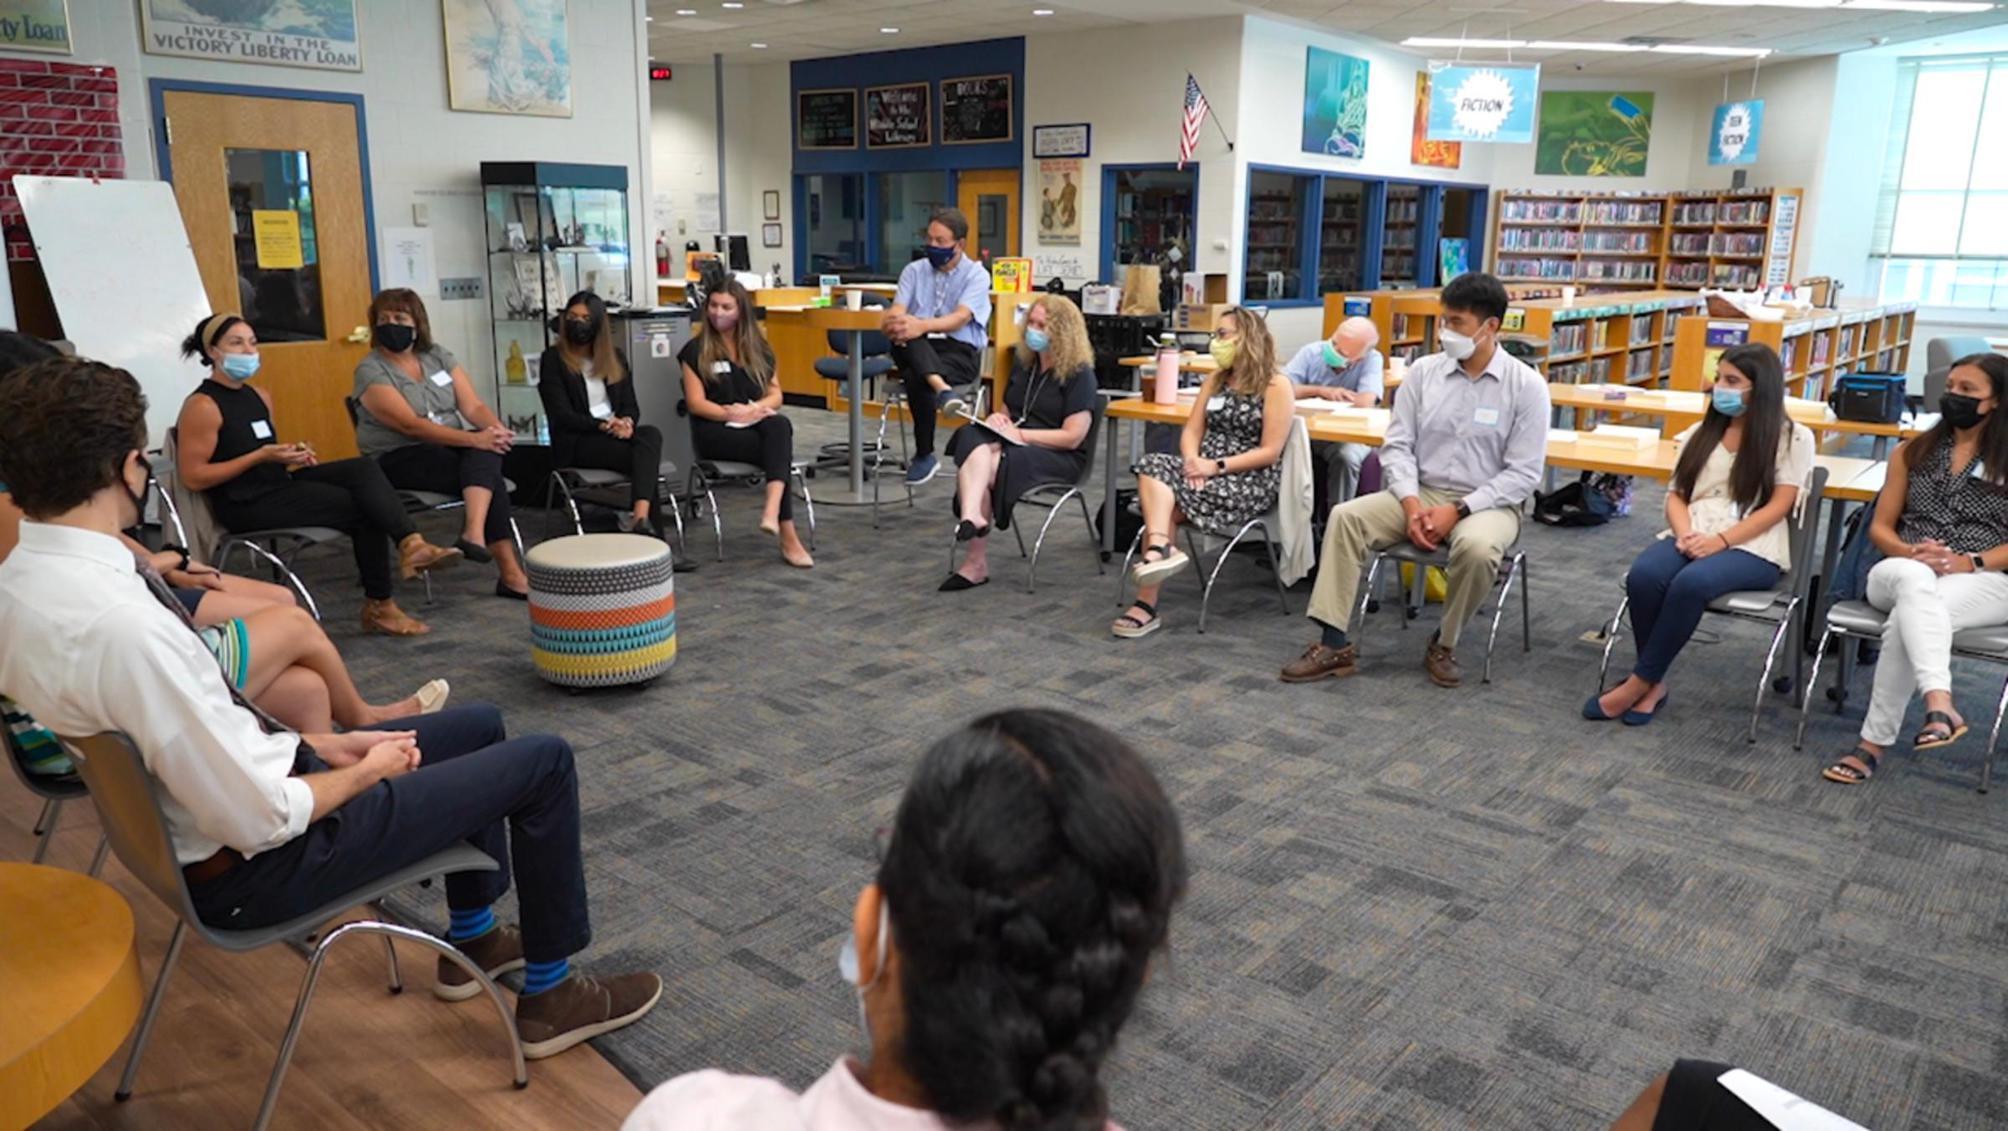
(1195, 114)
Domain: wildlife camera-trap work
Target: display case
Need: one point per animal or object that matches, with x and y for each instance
(553, 230)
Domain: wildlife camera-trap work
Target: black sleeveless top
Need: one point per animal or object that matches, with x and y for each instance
(247, 426)
(1961, 509)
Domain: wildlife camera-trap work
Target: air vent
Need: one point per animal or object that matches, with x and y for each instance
(1655, 40)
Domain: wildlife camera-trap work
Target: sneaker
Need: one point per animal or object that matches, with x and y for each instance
(922, 469)
(950, 402)
(497, 953)
(582, 1007)
(1441, 664)
(1319, 662)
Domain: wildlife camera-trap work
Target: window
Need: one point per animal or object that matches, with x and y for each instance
(1310, 234)
(1941, 235)
(906, 202)
(278, 260)
(1342, 240)
(1273, 264)
(836, 222)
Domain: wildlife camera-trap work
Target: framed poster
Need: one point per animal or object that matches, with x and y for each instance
(898, 117)
(520, 66)
(1593, 133)
(770, 204)
(976, 110)
(1060, 200)
(1070, 140)
(321, 35)
(826, 119)
(770, 235)
(35, 25)
(1335, 103)
(1421, 150)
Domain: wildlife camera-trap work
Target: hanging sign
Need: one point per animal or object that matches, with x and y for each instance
(1732, 140)
(1492, 103)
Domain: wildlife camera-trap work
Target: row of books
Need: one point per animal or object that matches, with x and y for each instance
(1635, 242)
(1608, 212)
(1539, 239)
(1542, 211)
(1620, 270)
(1563, 269)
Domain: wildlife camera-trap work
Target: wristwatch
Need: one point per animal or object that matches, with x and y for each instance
(1463, 509)
(1979, 565)
(1220, 467)
(181, 550)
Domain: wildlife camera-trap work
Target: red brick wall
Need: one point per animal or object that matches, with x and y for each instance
(56, 120)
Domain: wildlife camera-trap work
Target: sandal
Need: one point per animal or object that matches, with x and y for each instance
(1939, 730)
(1170, 561)
(1847, 775)
(1129, 628)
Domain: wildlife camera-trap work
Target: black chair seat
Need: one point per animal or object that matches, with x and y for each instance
(838, 368)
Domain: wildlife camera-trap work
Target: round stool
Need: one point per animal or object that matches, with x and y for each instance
(602, 609)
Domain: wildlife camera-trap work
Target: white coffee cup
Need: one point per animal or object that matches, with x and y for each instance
(854, 299)
(1568, 296)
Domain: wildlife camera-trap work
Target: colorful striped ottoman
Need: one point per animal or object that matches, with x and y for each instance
(602, 609)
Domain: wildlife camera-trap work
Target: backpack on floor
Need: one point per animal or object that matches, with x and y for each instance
(1858, 556)
(1128, 520)
(1592, 500)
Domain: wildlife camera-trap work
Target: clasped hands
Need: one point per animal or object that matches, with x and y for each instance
(1429, 526)
(1941, 558)
(384, 754)
(746, 413)
(1695, 546)
(619, 427)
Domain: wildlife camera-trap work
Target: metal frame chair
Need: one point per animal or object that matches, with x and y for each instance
(1512, 567)
(1053, 496)
(129, 808)
(877, 362)
(1859, 620)
(53, 792)
(1780, 606)
(574, 483)
(286, 542)
(893, 395)
(707, 472)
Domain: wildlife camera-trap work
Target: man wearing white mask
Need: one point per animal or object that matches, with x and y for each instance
(1345, 369)
(1464, 449)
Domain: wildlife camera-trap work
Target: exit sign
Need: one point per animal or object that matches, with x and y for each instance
(658, 74)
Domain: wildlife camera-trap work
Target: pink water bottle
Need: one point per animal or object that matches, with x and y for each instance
(1166, 391)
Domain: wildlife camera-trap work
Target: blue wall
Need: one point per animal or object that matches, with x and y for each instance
(929, 64)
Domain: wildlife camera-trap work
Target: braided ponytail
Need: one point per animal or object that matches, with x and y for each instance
(1031, 874)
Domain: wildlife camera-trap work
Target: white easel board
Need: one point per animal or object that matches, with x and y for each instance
(123, 278)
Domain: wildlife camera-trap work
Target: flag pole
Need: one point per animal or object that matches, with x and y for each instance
(1216, 121)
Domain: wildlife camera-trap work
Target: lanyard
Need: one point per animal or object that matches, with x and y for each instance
(1025, 411)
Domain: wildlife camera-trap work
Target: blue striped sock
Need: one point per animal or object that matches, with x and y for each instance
(541, 976)
(470, 925)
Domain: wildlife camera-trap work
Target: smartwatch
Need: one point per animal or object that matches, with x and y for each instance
(1979, 566)
(1463, 509)
(180, 550)
(1220, 467)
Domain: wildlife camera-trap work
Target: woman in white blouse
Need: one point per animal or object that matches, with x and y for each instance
(1738, 477)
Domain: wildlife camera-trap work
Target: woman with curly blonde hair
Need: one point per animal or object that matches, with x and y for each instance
(1040, 437)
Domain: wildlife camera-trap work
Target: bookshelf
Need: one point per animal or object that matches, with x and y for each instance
(1612, 241)
(1815, 349)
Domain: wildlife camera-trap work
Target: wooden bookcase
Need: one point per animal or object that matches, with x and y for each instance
(1729, 239)
(1406, 317)
(1815, 349)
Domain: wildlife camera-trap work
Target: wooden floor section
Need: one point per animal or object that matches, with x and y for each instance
(365, 1060)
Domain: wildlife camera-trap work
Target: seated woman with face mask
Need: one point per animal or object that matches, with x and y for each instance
(994, 1005)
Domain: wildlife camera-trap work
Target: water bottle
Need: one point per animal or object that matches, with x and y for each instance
(1166, 389)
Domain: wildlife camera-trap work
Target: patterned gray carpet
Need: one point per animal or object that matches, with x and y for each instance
(1410, 907)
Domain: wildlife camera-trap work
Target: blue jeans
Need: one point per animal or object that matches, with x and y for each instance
(515, 799)
(1669, 591)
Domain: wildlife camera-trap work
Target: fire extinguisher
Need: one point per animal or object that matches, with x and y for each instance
(661, 256)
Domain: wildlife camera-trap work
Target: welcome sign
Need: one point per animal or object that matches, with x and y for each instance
(1732, 140)
(1483, 103)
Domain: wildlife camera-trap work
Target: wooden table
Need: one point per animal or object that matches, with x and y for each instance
(69, 981)
(1815, 415)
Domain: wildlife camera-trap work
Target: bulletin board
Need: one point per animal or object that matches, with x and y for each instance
(976, 110)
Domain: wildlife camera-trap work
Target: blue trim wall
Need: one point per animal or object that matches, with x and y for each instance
(1429, 213)
(889, 68)
(1108, 249)
(157, 90)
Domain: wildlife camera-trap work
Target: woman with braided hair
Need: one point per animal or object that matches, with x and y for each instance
(1029, 878)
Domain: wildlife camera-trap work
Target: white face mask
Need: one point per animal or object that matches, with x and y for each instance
(847, 965)
(1456, 346)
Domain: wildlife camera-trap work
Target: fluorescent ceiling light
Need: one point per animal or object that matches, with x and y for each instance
(1767, 3)
(1434, 41)
(888, 31)
(1042, 11)
(1933, 6)
(1918, 6)
(686, 11)
(758, 46)
(1565, 45)
(1697, 49)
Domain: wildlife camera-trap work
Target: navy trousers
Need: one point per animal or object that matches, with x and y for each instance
(1669, 591)
(515, 799)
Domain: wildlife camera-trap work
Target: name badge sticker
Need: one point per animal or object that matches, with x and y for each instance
(442, 378)
(721, 367)
(1215, 403)
(261, 429)
(1487, 417)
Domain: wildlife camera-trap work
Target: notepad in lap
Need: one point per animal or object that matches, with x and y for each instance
(1781, 1108)
(1619, 437)
(990, 433)
(740, 423)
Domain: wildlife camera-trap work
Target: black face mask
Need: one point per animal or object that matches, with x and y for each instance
(138, 500)
(580, 333)
(1960, 411)
(395, 337)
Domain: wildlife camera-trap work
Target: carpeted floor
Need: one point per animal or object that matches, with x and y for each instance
(1410, 907)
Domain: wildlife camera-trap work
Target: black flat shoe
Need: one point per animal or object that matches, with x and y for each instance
(966, 531)
(502, 590)
(472, 552)
(956, 583)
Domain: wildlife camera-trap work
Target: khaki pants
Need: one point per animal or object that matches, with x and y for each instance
(1374, 522)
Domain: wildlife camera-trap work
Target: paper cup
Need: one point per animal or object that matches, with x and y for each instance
(1568, 296)
(854, 300)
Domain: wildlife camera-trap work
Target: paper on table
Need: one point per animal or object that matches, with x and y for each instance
(1562, 436)
(1781, 1108)
(1374, 417)
(1620, 436)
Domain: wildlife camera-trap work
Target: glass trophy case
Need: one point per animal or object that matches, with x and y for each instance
(553, 230)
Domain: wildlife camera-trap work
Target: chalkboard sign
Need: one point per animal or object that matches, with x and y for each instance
(826, 119)
(976, 109)
(898, 117)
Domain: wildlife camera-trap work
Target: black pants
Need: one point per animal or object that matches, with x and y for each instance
(957, 363)
(640, 459)
(1693, 1101)
(473, 779)
(449, 471)
(769, 444)
(350, 495)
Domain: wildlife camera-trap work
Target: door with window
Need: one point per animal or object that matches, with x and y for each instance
(989, 197)
(272, 193)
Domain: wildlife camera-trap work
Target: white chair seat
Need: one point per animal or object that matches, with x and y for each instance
(1750, 601)
(1858, 617)
(1990, 641)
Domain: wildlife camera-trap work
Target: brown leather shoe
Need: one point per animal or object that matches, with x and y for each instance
(497, 952)
(1319, 662)
(1441, 664)
(385, 618)
(581, 1007)
(415, 555)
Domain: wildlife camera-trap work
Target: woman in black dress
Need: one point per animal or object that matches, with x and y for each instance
(734, 394)
(1041, 437)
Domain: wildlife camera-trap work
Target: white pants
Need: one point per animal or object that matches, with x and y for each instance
(1924, 611)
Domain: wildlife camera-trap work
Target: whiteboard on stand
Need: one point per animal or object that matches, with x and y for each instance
(123, 278)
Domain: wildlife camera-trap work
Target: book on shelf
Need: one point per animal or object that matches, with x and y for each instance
(1568, 338)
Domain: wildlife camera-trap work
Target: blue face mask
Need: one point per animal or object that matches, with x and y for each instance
(1728, 402)
(1037, 340)
(240, 366)
(939, 256)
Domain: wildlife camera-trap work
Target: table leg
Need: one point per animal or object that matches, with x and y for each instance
(1109, 497)
(854, 494)
(1880, 450)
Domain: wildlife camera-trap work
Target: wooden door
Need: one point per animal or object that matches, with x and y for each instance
(989, 197)
(271, 190)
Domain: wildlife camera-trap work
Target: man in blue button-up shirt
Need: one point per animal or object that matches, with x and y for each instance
(938, 326)
(1346, 369)
(1464, 449)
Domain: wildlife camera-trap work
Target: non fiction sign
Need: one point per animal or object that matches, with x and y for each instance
(1732, 140)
